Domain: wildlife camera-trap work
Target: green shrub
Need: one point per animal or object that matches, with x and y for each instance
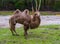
(57, 6)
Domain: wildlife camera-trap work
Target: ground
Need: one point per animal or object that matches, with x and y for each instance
(45, 20)
(47, 33)
(42, 35)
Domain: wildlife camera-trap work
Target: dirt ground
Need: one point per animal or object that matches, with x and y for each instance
(45, 20)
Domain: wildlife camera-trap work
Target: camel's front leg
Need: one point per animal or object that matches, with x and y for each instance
(26, 27)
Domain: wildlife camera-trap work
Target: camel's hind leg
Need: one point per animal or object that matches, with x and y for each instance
(12, 28)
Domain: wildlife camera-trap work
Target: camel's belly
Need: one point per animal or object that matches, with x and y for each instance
(21, 21)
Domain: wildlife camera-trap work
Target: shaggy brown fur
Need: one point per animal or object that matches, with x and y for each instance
(35, 21)
(25, 19)
(19, 17)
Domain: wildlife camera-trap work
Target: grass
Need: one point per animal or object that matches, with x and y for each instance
(48, 13)
(42, 35)
(11, 12)
(6, 12)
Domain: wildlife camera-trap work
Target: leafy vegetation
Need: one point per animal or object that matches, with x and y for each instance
(23, 4)
(49, 34)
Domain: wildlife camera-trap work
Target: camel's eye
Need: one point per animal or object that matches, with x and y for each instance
(35, 14)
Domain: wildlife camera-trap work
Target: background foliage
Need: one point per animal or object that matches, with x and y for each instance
(53, 5)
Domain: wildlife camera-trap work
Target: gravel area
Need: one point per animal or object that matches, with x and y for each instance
(45, 20)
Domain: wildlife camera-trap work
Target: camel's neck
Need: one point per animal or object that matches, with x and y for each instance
(36, 19)
(34, 23)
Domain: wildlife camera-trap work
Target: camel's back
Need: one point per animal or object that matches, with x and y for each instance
(22, 17)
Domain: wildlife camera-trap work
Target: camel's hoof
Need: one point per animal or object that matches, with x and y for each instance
(13, 34)
(25, 36)
(17, 34)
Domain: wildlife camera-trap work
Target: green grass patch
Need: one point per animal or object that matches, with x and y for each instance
(11, 12)
(49, 34)
(6, 12)
(47, 13)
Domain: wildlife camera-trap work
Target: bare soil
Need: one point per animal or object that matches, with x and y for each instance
(45, 20)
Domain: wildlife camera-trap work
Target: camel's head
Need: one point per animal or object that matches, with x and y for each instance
(36, 16)
(37, 12)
